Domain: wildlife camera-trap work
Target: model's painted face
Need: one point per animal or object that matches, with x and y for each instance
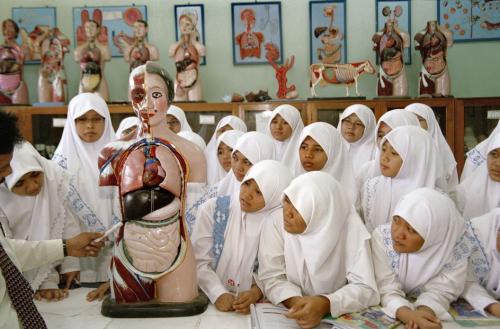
(293, 222)
(5, 169)
(224, 156)
(30, 184)
(352, 128)
(493, 163)
(390, 160)
(150, 98)
(405, 239)
(251, 198)
(312, 156)
(90, 29)
(280, 129)
(90, 126)
(186, 25)
(140, 30)
(383, 130)
(240, 165)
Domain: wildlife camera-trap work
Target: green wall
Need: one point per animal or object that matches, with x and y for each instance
(474, 66)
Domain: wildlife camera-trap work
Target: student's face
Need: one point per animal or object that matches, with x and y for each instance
(312, 156)
(422, 121)
(280, 129)
(498, 241)
(240, 165)
(292, 220)
(383, 130)
(5, 169)
(251, 198)
(128, 132)
(224, 156)
(390, 160)
(405, 239)
(90, 126)
(352, 128)
(173, 124)
(29, 185)
(223, 129)
(493, 162)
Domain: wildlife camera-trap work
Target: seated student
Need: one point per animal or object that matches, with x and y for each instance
(40, 202)
(225, 145)
(285, 126)
(477, 155)
(482, 289)
(176, 120)
(226, 236)
(229, 122)
(316, 257)
(357, 126)
(419, 256)
(127, 129)
(251, 148)
(408, 160)
(387, 122)
(321, 148)
(428, 121)
(480, 191)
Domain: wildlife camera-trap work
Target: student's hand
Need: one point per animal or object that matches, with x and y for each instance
(309, 310)
(51, 294)
(423, 318)
(69, 277)
(225, 302)
(98, 293)
(494, 309)
(246, 298)
(83, 245)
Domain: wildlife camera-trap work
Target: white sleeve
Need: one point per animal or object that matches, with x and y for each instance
(202, 239)
(360, 292)
(475, 294)
(392, 296)
(71, 229)
(33, 254)
(272, 271)
(51, 281)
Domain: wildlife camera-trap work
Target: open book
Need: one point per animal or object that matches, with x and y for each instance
(269, 316)
(465, 315)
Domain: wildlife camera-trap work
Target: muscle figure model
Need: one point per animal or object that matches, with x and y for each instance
(187, 53)
(92, 52)
(13, 90)
(136, 50)
(433, 42)
(153, 259)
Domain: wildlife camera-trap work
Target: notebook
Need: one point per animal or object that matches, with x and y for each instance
(465, 315)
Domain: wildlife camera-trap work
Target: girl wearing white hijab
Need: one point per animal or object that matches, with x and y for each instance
(128, 128)
(226, 236)
(316, 258)
(87, 130)
(224, 146)
(285, 126)
(388, 121)
(251, 148)
(332, 149)
(421, 255)
(357, 126)
(40, 202)
(480, 192)
(482, 289)
(229, 122)
(429, 122)
(176, 120)
(408, 160)
(477, 155)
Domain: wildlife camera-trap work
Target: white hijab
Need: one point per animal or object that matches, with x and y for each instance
(80, 158)
(255, 146)
(444, 150)
(126, 124)
(478, 193)
(362, 150)
(339, 164)
(40, 217)
(420, 168)
(478, 154)
(315, 259)
(286, 151)
(211, 150)
(243, 232)
(179, 114)
(435, 218)
(193, 138)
